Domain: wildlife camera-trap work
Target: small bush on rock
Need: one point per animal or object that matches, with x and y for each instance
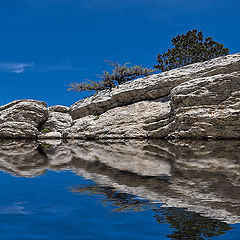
(46, 130)
(120, 74)
(45, 145)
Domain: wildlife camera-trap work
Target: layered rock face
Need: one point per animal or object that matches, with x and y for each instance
(201, 100)
(22, 118)
(58, 120)
(121, 122)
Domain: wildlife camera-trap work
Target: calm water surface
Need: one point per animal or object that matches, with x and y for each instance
(120, 190)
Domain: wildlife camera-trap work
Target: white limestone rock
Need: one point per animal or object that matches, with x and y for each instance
(50, 135)
(121, 122)
(201, 100)
(26, 111)
(152, 87)
(206, 107)
(59, 108)
(18, 130)
(57, 122)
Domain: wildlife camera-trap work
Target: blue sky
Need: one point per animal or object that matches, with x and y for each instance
(47, 44)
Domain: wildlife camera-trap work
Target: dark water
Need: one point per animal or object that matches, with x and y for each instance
(120, 190)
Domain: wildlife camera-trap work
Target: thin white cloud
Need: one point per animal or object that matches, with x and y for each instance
(14, 67)
(20, 67)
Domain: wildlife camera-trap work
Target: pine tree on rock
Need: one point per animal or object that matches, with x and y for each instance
(190, 48)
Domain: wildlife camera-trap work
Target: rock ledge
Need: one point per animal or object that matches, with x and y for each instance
(201, 100)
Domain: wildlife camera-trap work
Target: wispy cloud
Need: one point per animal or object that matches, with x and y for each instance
(14, 67)
(20, 67)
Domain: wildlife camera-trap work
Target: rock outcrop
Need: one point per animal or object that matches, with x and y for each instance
(201, 100)
(153, 87)
(207, 107)
(58, 121)
(22, 118)
(121, 122)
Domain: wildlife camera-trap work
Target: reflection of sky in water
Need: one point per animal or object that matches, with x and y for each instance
(15, 208)
(49, 210)
(62, 205)
(96, 196)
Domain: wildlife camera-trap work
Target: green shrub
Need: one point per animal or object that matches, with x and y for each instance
(46, 130)
(45, 145)
(120, 74)
(190, 48)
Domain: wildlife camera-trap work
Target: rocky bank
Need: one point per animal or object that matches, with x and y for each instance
(201, 100)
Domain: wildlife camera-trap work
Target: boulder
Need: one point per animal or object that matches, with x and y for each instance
(57, 122)
(206, 107)
(59, 108)
(26, 111)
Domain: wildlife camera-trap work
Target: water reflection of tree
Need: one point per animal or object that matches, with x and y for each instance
(188, 225)
(123, 201)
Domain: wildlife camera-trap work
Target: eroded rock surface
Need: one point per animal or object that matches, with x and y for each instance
(18, 130)
(59, 108)
(153, 87)
(201, 100)
(27, 111)
(207, 107)
(57, 122)
(49, 135)
(122, 122)
(21, 118)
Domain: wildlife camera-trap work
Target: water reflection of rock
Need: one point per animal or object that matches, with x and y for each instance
(186, 224)
(22, 158)
(200, 176)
